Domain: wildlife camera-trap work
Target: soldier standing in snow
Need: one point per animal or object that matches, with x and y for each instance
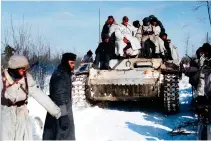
(88, 57)
(198, 78)
(16, 84)
(60, 93)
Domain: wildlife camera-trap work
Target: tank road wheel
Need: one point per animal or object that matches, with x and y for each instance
(171, 93)
(79, 91)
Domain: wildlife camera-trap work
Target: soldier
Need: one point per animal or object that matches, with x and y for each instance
(103, 53)
(88, 57)
(126, 39)
(106, 27)
(159, 23)
(17, 84)
(198, 78)
(171, 51)
(60, 93)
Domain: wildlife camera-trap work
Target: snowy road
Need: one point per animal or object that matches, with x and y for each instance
(96, 124)
(127, 123)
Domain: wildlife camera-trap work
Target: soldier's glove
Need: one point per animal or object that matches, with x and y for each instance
(64, 122)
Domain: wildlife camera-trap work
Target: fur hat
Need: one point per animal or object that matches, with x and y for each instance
(136, 23)
(125, 18)
(206, 45)
(18, 61)
(89, 52)
(154, 19)
(164, 34)
(152, 16)
(110, 17)
(146, 19)
(68, 57)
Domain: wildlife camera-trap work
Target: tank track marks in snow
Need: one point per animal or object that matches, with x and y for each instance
(171, 93)
(78, 91)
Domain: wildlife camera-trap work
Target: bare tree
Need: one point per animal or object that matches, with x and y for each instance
(78, 62)
(193, 50)
(206, 4)
(187, 43)
(35, 49)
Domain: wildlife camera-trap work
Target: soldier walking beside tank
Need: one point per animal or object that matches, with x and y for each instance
(61, 94)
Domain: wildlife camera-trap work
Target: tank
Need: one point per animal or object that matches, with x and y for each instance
(129, 80)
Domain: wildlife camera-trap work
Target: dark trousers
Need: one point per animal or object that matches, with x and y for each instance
(149, 49)
(103, 59)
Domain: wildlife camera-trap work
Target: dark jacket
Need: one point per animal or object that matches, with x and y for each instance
(105, 31)
(168, 49)
(106, 48)
(60, 93)
(193, 73)
(161, 27)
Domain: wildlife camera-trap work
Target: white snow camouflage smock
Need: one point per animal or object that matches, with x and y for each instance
(15, 122)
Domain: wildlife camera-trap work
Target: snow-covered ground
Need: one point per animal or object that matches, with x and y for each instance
(123, 123)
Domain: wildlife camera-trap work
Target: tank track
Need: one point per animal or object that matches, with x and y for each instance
(171, 93)
(78, 91)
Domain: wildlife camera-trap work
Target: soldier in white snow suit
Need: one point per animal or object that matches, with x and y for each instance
(61, 94)
(113, 38)
(138, 25)
(16, 85)
(159, 23)
(145, 34)
(148, 34)
(125, 36)
(160, 48)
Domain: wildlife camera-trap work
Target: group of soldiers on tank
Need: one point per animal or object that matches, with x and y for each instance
(146, 39)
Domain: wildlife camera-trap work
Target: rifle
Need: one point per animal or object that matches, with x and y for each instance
(34, 64)
(26, 81)
(192, 60)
